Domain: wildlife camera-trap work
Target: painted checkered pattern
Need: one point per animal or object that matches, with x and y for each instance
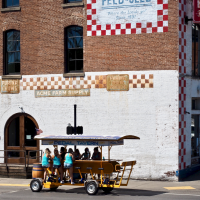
(141, 81)
(182, 84)
(89, 81)
(93, 29)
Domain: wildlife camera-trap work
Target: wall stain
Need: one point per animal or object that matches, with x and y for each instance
(170, 173)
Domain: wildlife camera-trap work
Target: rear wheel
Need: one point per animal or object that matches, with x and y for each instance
(91, 188)
(107, 189)
(36, 185)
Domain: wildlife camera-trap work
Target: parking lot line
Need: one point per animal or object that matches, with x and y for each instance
(22, 185)
(180, 188)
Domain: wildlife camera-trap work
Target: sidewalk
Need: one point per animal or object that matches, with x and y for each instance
(192, 182)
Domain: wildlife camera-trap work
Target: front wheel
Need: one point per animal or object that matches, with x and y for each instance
(107, 189)
(91, 188)
(36, 185)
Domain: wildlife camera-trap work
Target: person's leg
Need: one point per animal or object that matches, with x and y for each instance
(67, 172)
(71, 174)
(61, 173)
(45, 174)
(64, 173)
(51, 167)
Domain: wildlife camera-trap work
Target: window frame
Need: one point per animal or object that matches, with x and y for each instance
(66, 50)
(73, 1)
(196, 52)
(5, 56)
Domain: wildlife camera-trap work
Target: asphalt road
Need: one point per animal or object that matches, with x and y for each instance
(19, 193)
(19, 189)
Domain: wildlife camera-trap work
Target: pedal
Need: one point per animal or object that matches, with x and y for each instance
(82, 180)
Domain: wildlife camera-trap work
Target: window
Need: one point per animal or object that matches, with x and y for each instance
(195, 50)
(11, 3)
(74, 49)
(72, 1)
(195, 136)
(12, 52)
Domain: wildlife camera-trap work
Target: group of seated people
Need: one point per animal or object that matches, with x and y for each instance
(86, 155)
(65, 159)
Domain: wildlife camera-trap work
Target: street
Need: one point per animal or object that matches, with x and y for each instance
(79, 193)
(137, 189)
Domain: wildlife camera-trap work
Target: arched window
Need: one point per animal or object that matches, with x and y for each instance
(74, 49)
(11, 3)
(12, 52)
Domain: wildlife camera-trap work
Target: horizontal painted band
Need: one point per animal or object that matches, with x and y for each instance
(37, 167)
(37, 170)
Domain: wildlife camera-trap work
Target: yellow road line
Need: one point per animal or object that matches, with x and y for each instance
(180, 188)
(2, 184)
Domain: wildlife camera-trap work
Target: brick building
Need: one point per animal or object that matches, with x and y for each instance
(126, 64)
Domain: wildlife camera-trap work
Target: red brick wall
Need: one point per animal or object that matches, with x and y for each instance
(42, 22)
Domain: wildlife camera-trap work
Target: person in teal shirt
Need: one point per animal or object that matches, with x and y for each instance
(68, 164)
(45, 161)
(57, 164)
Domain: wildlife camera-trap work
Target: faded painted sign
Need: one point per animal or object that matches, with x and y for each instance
(118, 82)
(62, 93)
(82, 142)
(126, 11)
(10, 86)
(116, 17)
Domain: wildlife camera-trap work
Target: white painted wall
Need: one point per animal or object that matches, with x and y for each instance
(150, 113)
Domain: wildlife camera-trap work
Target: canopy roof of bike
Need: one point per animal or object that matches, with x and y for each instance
(87, 140)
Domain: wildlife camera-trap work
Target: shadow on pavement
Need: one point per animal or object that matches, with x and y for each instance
(114, 192)
(193, 177)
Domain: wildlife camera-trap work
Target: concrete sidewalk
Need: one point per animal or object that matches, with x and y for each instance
(192, 182)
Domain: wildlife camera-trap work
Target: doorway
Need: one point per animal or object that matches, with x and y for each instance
(20, 145)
